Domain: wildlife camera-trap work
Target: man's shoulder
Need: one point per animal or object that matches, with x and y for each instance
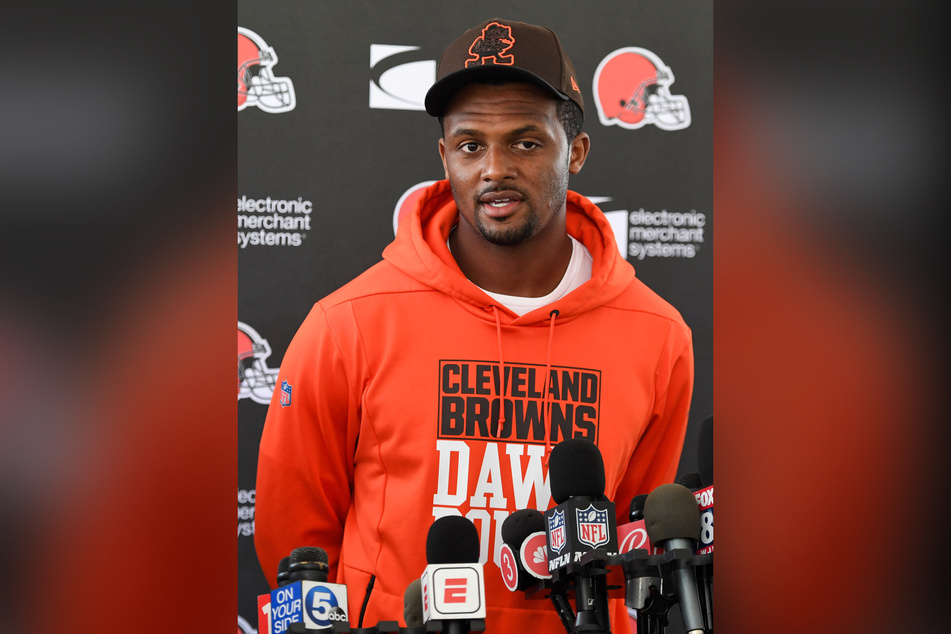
(379, 280)
(639, 298)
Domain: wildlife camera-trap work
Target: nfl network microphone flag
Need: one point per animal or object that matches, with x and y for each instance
(574, 527)
(453, 592)
(316, 604)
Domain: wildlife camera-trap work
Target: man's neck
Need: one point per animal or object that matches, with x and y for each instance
(530, 269)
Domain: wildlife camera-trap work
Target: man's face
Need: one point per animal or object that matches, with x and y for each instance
(507, 159)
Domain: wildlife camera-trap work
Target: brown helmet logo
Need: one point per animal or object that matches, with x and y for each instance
(490, 47)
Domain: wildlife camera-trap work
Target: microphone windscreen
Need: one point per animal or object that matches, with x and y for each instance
(413, 604)
(671, 512)
(690, 480)
(705, 451)
(308, 555)
(575, 467)
(520, 524)
(637, 507)
(452, 539)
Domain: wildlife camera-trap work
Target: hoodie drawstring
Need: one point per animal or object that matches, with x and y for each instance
(498, 332)
(551, 339)
(548, 402)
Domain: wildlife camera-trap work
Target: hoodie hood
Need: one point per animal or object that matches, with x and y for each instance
(420, 251)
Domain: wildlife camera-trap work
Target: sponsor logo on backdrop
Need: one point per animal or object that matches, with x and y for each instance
(408, 202)
(399, 86)
(256, 380)
(659, 233)
(258, 86)
(246, 499)
(632, 89)
(273, 222)
(244, 627)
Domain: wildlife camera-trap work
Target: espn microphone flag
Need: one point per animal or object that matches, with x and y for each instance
(453, 592)
(452, 584)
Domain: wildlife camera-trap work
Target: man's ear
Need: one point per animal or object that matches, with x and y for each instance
(579, 152)
(442, 156)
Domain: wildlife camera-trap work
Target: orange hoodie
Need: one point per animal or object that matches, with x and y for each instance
(393, 383)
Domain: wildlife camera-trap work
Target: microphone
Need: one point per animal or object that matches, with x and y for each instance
(282, 579)
(523, 535)
(453, 587)
(691, 481)
(524, 562)
(705, 451)
(672, 518)
(307, 563)
(638, 576)
(581, 529)
(307, 599)
(705, 494)
(637, 507)
(705, 500)
(413, 606)
(264, 600)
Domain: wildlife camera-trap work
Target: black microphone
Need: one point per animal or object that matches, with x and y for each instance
(453, 587)
(672, 519)
(524, 562)
(637, 507)
(637, 579)
(307, 563)
(705, 451)
(690, 480)
(282, 572)
(516, 529)
(581, 529)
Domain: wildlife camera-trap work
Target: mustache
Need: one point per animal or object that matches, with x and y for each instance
(492, 189)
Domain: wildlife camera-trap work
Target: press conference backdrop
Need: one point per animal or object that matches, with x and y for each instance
(333, 139)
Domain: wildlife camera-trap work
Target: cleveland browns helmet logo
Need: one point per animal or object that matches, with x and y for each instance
(632, 89)
(491, 46)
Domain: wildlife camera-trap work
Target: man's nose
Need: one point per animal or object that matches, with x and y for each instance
(497, 165)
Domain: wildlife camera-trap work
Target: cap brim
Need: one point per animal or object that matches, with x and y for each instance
(439, 94)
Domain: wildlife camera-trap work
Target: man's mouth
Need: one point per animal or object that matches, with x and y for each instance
(499, 204)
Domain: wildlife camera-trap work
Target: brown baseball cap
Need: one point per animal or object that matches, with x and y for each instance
(504, 48)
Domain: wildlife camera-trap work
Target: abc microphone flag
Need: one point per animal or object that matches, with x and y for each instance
(307, 598)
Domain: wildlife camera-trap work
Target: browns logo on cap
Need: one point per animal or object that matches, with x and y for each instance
(504, 48)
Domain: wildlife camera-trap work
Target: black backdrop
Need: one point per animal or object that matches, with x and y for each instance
(320, 174)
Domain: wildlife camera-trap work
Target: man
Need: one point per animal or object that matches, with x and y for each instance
(501, 320)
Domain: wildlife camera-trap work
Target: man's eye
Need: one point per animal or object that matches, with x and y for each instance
(526, 145)
(470, 147)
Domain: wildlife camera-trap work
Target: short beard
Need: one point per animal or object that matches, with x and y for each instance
(511, 236)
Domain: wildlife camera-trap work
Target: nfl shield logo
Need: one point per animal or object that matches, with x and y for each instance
(592, 526)
(285, 393)
(556, 531)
